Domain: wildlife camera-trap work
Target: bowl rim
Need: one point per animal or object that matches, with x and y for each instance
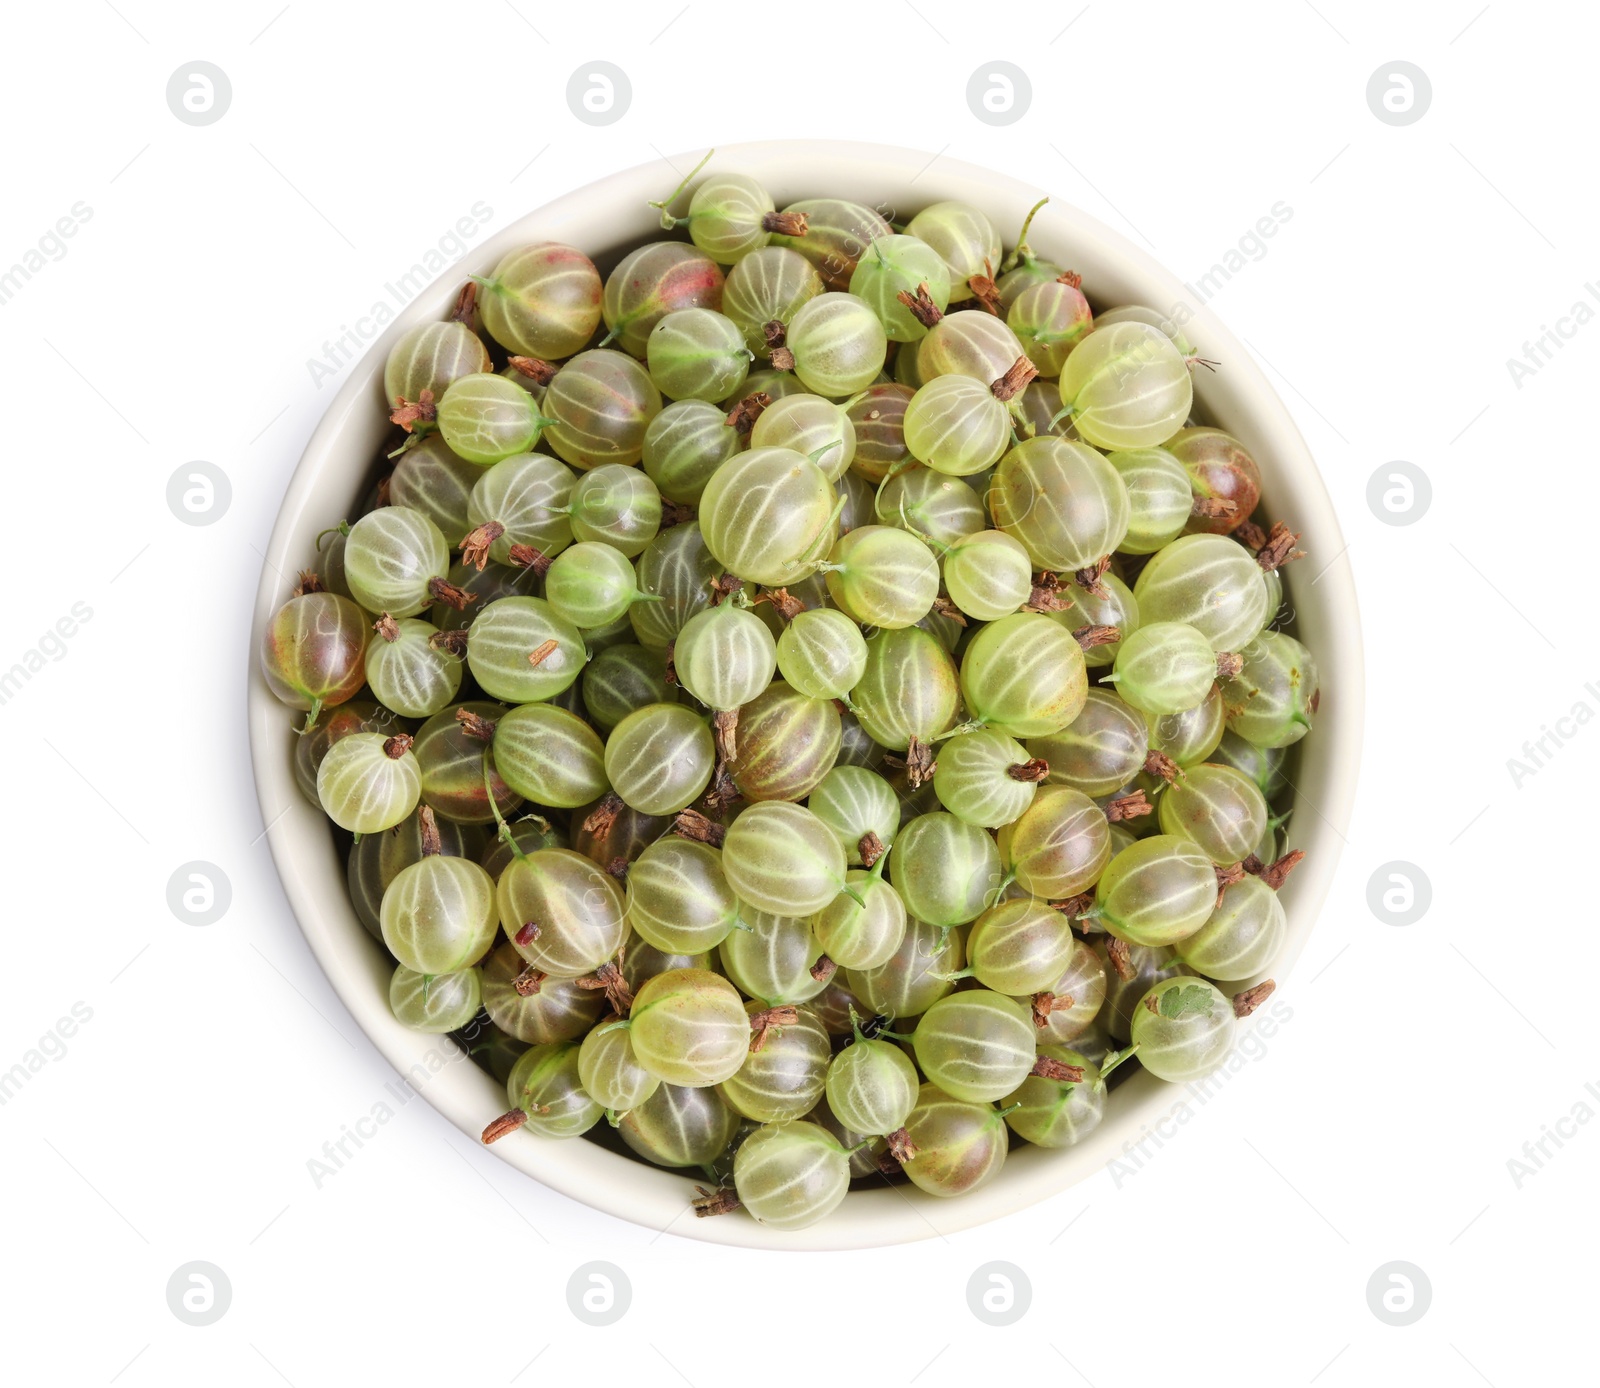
(1238, 398)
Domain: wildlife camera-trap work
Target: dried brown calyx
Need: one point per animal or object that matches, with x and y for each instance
(538, 371)
(1074, 906)
(410, 413)
(708, 1202)
(432, 844)
(922, 306)
(507, 1122)
(1121, 959)
(786, 604)
(872, 849)
(1049, 1069)
(1133, 805)
(1228, 665)
(725, 733)
(985, 290)
(1014, 381)
(397, 746)
(823, 969)
(1030, 772)
(1048, 595)
(1246, 1002)
(1096, 634)
(450, 595)
(1278, 549)
(724, 587)
(675, 513)
(901, 1147)
(919, 762)
(542, 652)
(1046, 1003)
(691, 824)
(466, 303)
(742, 417)
(527, 557)
(723, 790)
(1250, 535)
(888, 1163)
(776, 336)
(1276, 874)
(454, 641)
(1227, 876)
(475, 725)
(1089, 579)
(786, 223)
(945, 608)
(1213, 507)
(1161, 765)
(308, 582)
(529, 982)
(609, 977)
(599, 820)
(764, 1021)
(1070, 278)
(475, 543)
(387, 627)
(527, 933)
(618, 868)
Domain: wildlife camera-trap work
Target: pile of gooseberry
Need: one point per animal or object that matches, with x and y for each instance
(809, 702)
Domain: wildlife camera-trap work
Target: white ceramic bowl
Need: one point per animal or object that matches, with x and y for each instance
(609, 216)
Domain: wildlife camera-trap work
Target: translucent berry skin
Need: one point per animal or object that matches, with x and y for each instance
(771, 959)
(938, 509)
(1219, 468)
(549, 756)
(530, 496)
(429, 357)
(768, 286)
(1209, 581)
(362, 788)
(1273, 699)
(558, 1011)
(352, 716)
(1157, 891)
(541, 301)
(882, 576)
(1164, 668)
(1062, 500)
(1025, 675)
(545, 1085)
(957, 425)
(853, 802)
(650, 283)
(766, 515)
(434, 1004)
(610, 1072)
(484, 418)
(679, 898)
(618, 506)
(725, 217)
(878, 414)
(1057, 1113)
(787, 743)
(623, 678)
(391, 556)
(1083, 980)
(973, 779)
(1127, 387)
(697, 354)
(782, 859)
(791, 1175)
(838, 233)
(1148, 966)
(783, 1078)
(1159, 497)
(451, 766)
(1263, 765)
(505, 638)
(872, 1087)
(967, 344)
(679, 568)
(891, 266)
(659, 758)
(680, 1126)
(861, 937)
(1060, 844)
(684, 445)
(690, 1028)
(916, 976)
(1190, 1045)
(1019, 947)
(312, 651)
(725, 656)
(1140, 313)
(600, 404)
(908, 689)
(576, 906)
(1241, 938)
(838, 345)
(822, 653)
(959, 1146)
(1050, 319)
(988, 575)
(430, 478)
(1117, 608)
(944, 870)
(412, 677)
(1218, 808)
(963, 237)
(810, 425)
(1100, 751)
(1190, 737)
(439, 914)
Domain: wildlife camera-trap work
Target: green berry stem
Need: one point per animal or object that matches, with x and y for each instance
(668, 221)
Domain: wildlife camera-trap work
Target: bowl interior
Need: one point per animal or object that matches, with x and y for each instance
(605, 219)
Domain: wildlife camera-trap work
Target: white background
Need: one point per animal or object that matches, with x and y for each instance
(179, 1122)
